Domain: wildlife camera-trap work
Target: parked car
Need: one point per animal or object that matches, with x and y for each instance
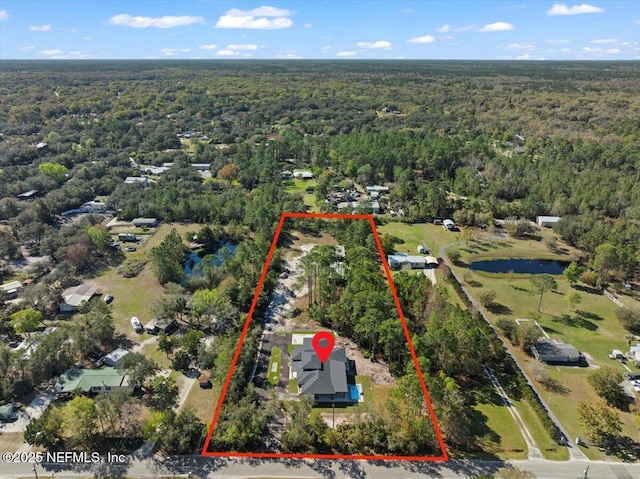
(130, 249)
(108, 298)
(632, 376)
(137, 325)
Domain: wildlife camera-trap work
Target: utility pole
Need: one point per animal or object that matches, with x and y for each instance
(586, 471)
(34, 471)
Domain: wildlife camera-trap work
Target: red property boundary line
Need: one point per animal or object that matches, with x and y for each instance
(265, 268)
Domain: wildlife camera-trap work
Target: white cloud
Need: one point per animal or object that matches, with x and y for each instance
(126, 20)
(40, 28)
(261, 18)
(308, 25)
(612, 51)
(249, 46)
(528, 46)
(69, 30)
(375, 45)
(208, 47)
(327, 48)
(169, 52)
(51, 52)
(559, 41)
(289, 56)
(605, 40)
(27, 48)
(3, 15)
(528, 56)
(186, 50)
(562, 9)
(225, 53)
(346, 54)
(497, 27)
(444, 28)
(425, 39)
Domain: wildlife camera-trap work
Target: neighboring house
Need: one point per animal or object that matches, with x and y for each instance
(554, 351)
(398, 260)
(347, 204)
(154, 170)
(201, 166)
(11, 288)
(144, 222)
(157, 326)
(375, 207)
(547, 221)
(377, 189)
(327, 382)
(93, 380)
(27, 195)
(76, 295)
(303, 175)
(94, 206)
(115, 357)
(132, 180)
(448, 224)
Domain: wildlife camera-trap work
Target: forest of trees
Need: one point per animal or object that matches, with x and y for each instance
(473, 141)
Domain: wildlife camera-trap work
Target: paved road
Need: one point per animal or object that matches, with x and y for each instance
(534, 451)
(246, 468)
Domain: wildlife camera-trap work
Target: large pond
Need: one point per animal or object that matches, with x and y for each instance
(524, 266)
(196, 257)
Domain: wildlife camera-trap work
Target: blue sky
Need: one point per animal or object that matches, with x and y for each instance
(320, 29)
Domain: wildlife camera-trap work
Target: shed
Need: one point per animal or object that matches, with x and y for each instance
(27, 195)
(157, 325)
(204, 381)
(201, 166)
(547, 221)
(115, 357)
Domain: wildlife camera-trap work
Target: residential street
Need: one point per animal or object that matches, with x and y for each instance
(287, 468)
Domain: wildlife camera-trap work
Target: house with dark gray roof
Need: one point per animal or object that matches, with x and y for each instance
(554, 351)
(329, 382)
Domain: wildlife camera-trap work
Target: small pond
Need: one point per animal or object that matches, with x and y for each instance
(523, 266)
(196, 257)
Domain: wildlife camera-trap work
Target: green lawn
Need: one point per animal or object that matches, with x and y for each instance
(203, 402)
(293, 386)
(592, 328)
(275, 363)
(432, 236)
(298, 186)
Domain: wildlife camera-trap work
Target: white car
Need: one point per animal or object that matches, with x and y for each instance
(108, 298)
(137, 325)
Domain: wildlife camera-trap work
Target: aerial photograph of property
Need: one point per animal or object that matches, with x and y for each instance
(390, 239)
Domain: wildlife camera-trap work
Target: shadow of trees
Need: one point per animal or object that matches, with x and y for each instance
(499, 308)
(575, 322)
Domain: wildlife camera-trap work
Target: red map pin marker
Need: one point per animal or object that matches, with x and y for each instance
(323, 343)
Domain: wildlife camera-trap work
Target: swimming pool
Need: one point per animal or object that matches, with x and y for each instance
(354, 392)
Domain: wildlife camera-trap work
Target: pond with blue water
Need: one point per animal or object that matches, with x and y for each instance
(217, 259)
(522, 266)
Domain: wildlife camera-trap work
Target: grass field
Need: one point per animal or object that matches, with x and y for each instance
(203, 402)
(297, 186)
(432, 236)
(592, 328)
(275, 363)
